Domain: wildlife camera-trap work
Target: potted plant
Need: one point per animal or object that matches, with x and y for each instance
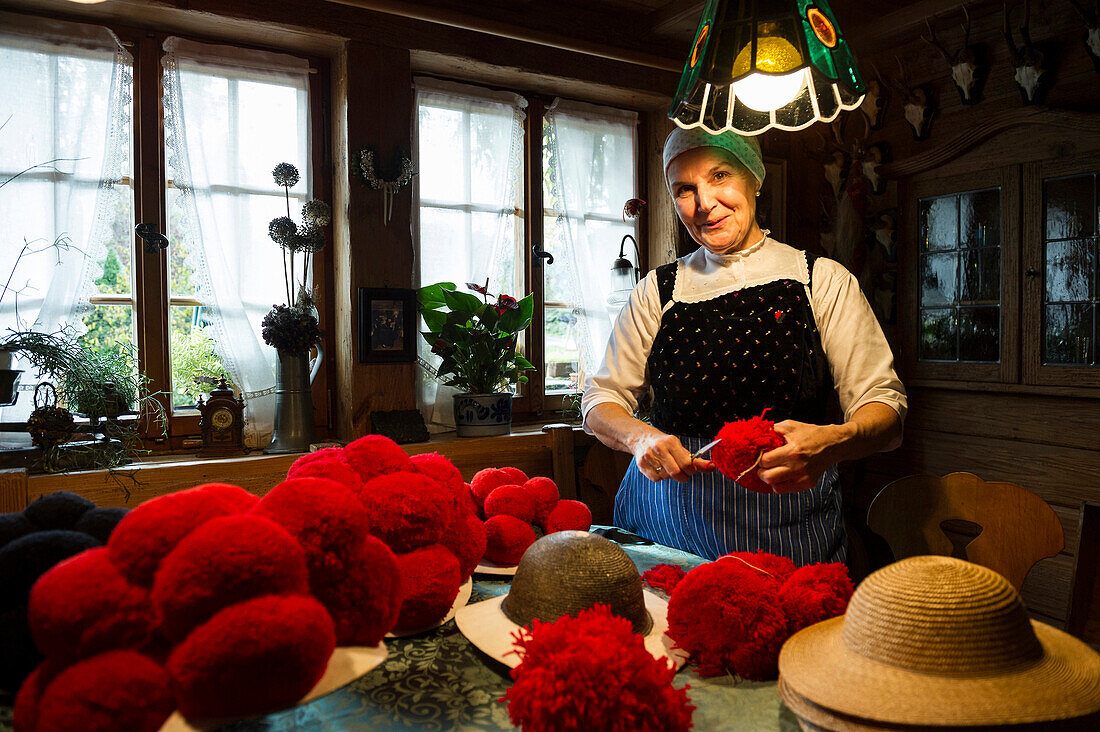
(476, 340)
(292, 329)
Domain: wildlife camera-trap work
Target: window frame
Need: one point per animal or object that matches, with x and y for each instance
(531, 400)
(151, 296)
(1035, 373)
(1007, 178)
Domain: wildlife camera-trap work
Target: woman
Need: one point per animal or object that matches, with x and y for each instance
(741, 325)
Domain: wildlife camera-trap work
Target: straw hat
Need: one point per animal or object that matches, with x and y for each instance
(937, 641)
(561, 574)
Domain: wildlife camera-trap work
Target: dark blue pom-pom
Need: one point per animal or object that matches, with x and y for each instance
(12, 526)
(60, 510)
(100, 522)
(27, 558)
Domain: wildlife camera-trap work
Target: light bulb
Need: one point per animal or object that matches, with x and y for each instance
(766, 93)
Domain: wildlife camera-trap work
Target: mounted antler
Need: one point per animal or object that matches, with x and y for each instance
(1091, 16)
(875, 100)
(917, 104)
(1027, 59)
(967, 67)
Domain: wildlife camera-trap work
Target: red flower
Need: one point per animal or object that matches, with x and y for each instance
(633, 208)
(440, 347)
(505, 302)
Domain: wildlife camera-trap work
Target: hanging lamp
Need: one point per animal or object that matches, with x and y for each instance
(759, 64)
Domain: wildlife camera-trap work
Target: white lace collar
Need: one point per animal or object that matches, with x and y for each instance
(702, 276)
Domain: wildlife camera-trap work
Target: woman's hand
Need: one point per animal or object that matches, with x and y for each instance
(661, 456)
(800, 463)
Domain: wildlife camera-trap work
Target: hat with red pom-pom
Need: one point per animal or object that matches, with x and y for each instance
(734, 614)
(566, 681)
(562, 574)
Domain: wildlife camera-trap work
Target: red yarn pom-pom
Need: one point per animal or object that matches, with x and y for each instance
(150, 531)
(592, 672)
(407, 510)
(814, 593)
(364, 594)
(29, 698)
(545, 493)
(431, 578)
(83, 607)
(742, 444)
(485, 482)
(254, 657)
(221, 563)
(518, 477)
(568, 516)
(510, 500)
(233, 496)
(507, 538)
(327, 463)
(374, 455)
(466, 540)
(439, 468)
(664, 577)
(117, 690)
(726, 616)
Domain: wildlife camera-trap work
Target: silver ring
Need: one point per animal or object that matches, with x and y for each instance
(658, 469)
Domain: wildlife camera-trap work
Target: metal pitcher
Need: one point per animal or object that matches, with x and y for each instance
(294, 430)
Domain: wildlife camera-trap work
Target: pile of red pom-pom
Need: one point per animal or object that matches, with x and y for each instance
(224, 605)
(742, 444)
(420, 508)
(513, 505)
(733, 615)
(593, 672)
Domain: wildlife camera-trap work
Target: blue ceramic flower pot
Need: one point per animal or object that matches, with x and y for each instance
(483, 415)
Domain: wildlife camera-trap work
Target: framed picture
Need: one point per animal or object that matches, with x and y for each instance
(771, 207)
(387, 325)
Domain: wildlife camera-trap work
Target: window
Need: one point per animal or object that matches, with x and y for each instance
(1003, 275)
(508, 182)
(191, 155)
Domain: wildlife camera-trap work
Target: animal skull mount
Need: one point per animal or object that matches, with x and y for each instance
(875, 155)
(968, 67)
(1091, 16)
(1031, 75)
(874, 103)
(918, 106)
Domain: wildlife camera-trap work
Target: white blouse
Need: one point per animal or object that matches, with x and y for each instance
(859, 356)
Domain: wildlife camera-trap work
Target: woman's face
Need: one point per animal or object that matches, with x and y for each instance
(715, 197)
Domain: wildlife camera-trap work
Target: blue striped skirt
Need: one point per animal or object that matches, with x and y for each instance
(712, 515)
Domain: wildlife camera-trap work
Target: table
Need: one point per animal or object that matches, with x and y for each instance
(439, 681)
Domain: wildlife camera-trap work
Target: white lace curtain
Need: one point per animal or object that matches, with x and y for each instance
(469, 158)
(590, 152)
(230, 116)
(69, 91)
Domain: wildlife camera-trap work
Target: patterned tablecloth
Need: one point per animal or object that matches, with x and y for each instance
(439, 681)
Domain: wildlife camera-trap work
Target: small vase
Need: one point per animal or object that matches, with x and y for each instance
(483, 415)
(294, 430)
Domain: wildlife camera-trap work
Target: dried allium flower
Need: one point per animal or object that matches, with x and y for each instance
(308, 239)
(283, 231)
(289, 329)
(285, 175)
(317, 213)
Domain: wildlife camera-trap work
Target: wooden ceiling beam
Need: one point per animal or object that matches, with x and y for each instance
(456, 19)
(670, 15)
(883, 31)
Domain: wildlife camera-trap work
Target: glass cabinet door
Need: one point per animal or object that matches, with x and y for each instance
(1061, 298)
(957, 313)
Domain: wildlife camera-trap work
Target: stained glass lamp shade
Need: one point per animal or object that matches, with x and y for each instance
(759, 64)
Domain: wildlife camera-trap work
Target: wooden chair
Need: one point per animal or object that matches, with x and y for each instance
(997, 525)
(1084, 602)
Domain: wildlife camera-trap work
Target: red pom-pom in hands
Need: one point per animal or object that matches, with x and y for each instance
(743, 442)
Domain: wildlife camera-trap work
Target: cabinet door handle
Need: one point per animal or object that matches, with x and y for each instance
(1031, 273)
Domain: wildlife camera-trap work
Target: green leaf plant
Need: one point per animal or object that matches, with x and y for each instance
(476, 336)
